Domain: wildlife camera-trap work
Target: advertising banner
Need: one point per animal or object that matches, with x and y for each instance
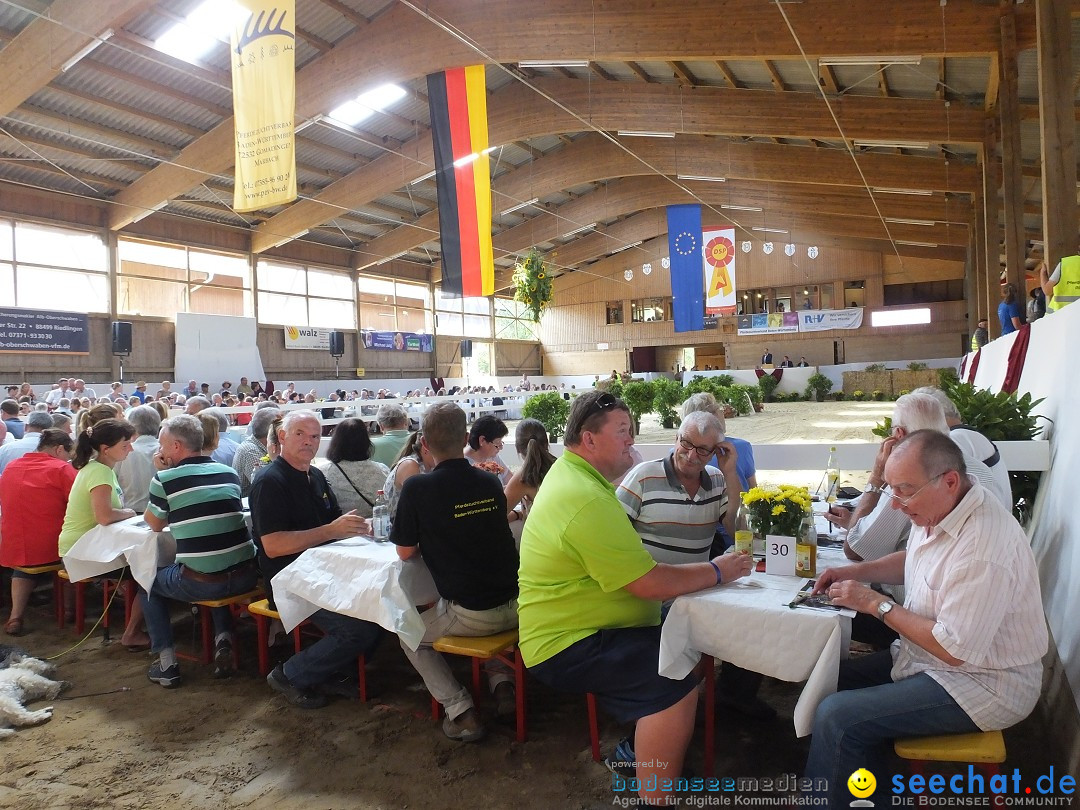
(818, 320)
(397, 341)
(768, 323)
(719, 268)
(305, 337)
(37, 331)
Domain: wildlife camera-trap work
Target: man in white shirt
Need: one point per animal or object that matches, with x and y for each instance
(972, 630)
(56, 394)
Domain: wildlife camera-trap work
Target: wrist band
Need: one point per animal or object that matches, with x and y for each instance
(716, 568)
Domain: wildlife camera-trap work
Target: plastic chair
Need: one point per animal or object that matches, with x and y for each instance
(985, 749)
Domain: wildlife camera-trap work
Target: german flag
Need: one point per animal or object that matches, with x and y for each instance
(458, 105)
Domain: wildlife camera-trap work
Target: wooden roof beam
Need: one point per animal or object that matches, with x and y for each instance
(774, 76)
(599, 71)
(639, 72)
(683, 74)
(828, 79)
(729, 77)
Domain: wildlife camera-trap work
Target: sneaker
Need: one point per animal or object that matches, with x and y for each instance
(344, 687)
(466, 727)
(223, 658)
(169, 678)
(622, 759)
(505, 701)
(303, 698)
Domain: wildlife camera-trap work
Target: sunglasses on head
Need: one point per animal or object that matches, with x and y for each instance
(604, 402)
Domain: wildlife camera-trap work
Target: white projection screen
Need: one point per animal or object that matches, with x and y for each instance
(215, 348)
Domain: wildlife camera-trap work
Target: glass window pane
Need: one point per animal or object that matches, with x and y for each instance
(480, 362)
(59, 247)
(449, 323)
(413, 320)
(329, 284)
(377, 289)
(220, 264)
(329, 313)
(283, 309)
(413, 295)
(7, 285)
(285, 278)
(515, 329)
(68, 290)
(477, 306)
(142, 296)
(446, 303)
(6, 237)
(211, 300)
(141, 253)
(153, 271)
(478, 326)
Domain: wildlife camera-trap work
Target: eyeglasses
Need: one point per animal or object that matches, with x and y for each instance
(703, 452)
(905, 501)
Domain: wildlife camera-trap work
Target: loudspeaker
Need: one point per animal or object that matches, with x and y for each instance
(121, 337)
(466, 349)
(337, 343)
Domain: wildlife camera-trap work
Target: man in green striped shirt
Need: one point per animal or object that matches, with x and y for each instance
(199, 500)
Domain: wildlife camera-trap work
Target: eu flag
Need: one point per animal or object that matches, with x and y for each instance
(684, 248)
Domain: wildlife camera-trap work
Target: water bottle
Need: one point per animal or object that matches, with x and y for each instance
(832, 477)
(380, 519)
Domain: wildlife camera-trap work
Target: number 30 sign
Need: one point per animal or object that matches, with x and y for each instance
(780, 555)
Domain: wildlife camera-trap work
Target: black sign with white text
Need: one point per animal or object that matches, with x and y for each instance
(43, 330)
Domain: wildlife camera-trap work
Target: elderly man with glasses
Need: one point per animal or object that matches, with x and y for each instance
(590, 594)
(971, 626)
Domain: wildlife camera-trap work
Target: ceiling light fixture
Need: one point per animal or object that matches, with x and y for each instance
(629, 133)
(702, 178)
(874, 144)
(367, 104)
(870, 61)
(427, 176)
(582, 229)
(88, 49)
(553, 63)
(626, 247)
(769, 230)
(915, 244)
(920, 192)
(900, 221)
(740, 208)
(519, 206)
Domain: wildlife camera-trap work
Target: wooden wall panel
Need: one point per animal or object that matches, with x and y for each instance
(594, 362)
(915, 270)
(515, 357)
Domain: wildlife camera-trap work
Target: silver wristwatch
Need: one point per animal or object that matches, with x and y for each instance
(884, 608)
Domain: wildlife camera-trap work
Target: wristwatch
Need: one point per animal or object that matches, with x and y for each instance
(884, 607)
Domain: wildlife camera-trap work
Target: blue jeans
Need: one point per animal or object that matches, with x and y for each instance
(335, 653)
(855, 727)
(171, 584)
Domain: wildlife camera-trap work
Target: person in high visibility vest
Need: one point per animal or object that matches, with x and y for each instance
(1063, 285)
(981, 336)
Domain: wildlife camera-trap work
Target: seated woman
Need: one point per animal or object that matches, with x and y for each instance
(95, 498)
(485, 443)
(352, 475)
(414, 459)
(531, 442)
(33, 498)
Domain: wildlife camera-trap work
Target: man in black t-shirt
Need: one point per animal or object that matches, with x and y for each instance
(455, 516)
(294, 509)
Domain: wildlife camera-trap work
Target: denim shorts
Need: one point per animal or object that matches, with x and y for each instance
(619, 666)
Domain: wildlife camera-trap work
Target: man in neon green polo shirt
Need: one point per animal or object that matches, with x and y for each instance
(590, 594)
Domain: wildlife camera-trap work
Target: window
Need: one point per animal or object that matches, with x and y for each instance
(305, 296)
(479, 365)
(646, 310)
(924, 292)
(52, 268)
(511, 321)
(393, 306)
(854, 294)
(900, 317)
(161, 280)
(465, 317)
(614, 312)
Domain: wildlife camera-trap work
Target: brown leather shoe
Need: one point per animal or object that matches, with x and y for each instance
(466, 727)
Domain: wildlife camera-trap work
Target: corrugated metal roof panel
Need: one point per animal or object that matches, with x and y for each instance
(13, 18)
(51, 102)
(95, 83)
(751, 74)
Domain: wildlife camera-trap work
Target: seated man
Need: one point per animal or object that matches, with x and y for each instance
(294, 509)
(589, 605)
(251, 450)
(215, 558)
(455, 516)
(972, 631)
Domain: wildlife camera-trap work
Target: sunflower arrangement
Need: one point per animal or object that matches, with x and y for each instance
(532, 283)
(778, 510)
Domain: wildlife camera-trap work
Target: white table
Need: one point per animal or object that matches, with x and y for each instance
(360, 578)
(748, 622)
(130, 542)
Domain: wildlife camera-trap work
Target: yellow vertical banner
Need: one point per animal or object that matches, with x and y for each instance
(264, 104)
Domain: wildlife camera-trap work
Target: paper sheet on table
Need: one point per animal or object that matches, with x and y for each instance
(107, 548)
(749, 624)
(359, 578)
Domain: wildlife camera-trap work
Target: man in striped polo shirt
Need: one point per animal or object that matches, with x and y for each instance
(199, 499)
(972, 630)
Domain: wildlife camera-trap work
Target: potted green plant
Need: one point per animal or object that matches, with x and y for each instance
(667, 396)
(767, 383)
(817, 386)
(550, 410)
(638, 396)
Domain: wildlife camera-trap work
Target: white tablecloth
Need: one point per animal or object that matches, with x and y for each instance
(360, 578)
(749, 623)
(130, 542)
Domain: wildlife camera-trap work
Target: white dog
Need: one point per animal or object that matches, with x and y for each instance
(22, 679)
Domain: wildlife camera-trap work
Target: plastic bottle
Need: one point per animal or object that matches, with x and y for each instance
(832, 477)
(380, 519)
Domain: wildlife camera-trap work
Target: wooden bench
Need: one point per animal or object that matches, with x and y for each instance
(484, 648)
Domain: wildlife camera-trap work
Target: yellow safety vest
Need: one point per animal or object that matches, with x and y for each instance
(1067, 288)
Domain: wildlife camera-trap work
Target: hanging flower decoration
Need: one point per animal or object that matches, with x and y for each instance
(532, 284)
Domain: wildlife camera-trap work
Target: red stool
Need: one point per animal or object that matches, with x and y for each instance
(234, 603)
(107, 588)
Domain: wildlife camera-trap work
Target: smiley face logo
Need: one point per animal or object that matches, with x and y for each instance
(861, 783)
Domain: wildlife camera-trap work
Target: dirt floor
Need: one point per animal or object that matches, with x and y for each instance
(118, 741)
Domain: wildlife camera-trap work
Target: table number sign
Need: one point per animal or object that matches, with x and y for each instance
(780, 555)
